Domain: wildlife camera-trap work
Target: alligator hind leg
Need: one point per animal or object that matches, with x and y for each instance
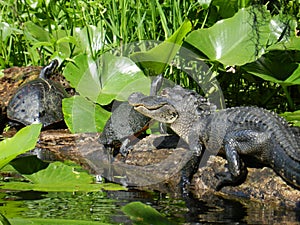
(236, 143)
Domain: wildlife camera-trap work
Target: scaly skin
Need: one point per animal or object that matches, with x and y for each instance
(238, 133)
(125, 123)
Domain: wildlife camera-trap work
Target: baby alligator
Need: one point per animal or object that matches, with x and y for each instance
(238, 133)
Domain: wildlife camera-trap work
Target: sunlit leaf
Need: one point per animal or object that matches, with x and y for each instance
(106, 79)
(82, 115)
(144, 214)
(59, 177)
(23, 141)
(282, 29)
(157, 58)
(119, 78)
(235, 41)
(83, 75)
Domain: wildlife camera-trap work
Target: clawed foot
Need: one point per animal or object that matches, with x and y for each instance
(224, 179)
(125, 147)
(228, 179)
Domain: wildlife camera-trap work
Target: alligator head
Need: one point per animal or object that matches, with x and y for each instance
(173, 103)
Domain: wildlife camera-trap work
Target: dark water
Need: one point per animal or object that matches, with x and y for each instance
(105, 207)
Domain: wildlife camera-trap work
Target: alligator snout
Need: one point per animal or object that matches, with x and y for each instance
(150, 102)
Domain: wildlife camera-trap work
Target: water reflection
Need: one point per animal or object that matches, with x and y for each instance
(105, 207)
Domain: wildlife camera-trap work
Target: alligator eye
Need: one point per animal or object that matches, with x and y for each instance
(164, 92)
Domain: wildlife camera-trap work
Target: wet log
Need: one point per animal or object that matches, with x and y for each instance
(155, 163)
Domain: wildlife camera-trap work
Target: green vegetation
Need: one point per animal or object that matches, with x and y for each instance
(251, 47)
(258, 44)
(22, 142)
(59, 177)
(145, 214)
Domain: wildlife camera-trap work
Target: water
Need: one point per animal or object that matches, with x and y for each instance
(105, 207)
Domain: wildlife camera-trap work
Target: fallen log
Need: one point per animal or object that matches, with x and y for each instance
(154, 164)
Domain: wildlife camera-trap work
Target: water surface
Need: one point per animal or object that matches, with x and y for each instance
(105, 207)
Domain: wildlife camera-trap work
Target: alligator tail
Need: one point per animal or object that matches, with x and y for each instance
(287, 167)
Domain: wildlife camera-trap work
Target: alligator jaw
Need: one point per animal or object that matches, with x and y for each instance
(155, 107)
(164, 113)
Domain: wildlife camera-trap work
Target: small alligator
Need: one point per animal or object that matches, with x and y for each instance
(238, 133)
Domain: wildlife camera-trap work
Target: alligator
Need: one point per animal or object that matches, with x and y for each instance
(243, 135)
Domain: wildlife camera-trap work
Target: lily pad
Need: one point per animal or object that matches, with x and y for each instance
(106, 79)
(23, 141)
(82, 115)
(60, 177)
(237, 40)
(144, 214)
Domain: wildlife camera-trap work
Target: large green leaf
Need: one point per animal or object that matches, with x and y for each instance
(144, 214)
(235, 41)
(156, 59)
(83, 76)
(59, 177)
(282, 30)
(106, 79)
(23, 141)
(82, 115)
(292, 44)
(278, 67)
(120, 77)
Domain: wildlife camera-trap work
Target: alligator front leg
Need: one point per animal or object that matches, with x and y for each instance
(188, 172)
(236, 143)
(191, 167)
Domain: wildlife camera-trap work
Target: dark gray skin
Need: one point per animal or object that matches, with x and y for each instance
(38, 101)
(125, 124)
(238, 133)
